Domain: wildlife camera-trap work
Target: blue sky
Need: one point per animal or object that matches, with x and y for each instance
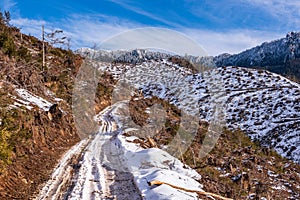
(219, 26)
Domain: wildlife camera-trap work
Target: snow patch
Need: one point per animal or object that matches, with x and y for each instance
(33, 99)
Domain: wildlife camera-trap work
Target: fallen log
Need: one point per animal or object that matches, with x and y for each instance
(154, 182)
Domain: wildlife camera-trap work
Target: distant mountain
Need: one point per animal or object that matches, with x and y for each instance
(123, 56)
(277, 52)
(280, 56)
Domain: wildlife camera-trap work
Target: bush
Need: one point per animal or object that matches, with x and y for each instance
(5, 150)
(57, 52)
(7, 44)
(23, 53)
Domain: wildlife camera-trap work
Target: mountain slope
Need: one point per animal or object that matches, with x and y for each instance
(264, 105)
(251, 101)
(280, 56)
(36, 122)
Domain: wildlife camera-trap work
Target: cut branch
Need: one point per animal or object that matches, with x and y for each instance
(154, 182)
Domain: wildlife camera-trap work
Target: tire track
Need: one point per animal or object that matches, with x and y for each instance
(85, 171)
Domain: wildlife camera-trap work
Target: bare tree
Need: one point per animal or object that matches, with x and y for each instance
(7, 17)
(57, 37)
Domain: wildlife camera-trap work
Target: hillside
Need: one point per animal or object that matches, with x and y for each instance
(281, 56)
(36, 121)
(38, 133)
(261, 104)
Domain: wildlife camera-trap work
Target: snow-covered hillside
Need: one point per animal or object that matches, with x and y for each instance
(273, 53)
(28, 100)
(133, 57)
(264, 105)
(136, 56)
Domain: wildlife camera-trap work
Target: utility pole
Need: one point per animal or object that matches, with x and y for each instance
(43, 46)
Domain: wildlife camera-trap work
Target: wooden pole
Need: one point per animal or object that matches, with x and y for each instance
(43, 35)
(21, 36)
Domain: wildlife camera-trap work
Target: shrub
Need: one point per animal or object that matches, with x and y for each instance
(5, 150)
(57, 52)
(23, 53)
(7, 44)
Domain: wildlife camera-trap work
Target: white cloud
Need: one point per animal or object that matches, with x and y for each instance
(7, 5)
(144, 13)
(90, 30)
(155, 38)
(234, 41)
(32, 27)
(287, 12)
(85, 31)
(29, 26)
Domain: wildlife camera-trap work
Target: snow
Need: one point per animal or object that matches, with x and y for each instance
(61, 173)
(109, 149)
(281, 187)
(272, 174)
(262, 104)
(29, 98)
(155, 164)
(91, 174)
(19, 103)
(273, 53)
